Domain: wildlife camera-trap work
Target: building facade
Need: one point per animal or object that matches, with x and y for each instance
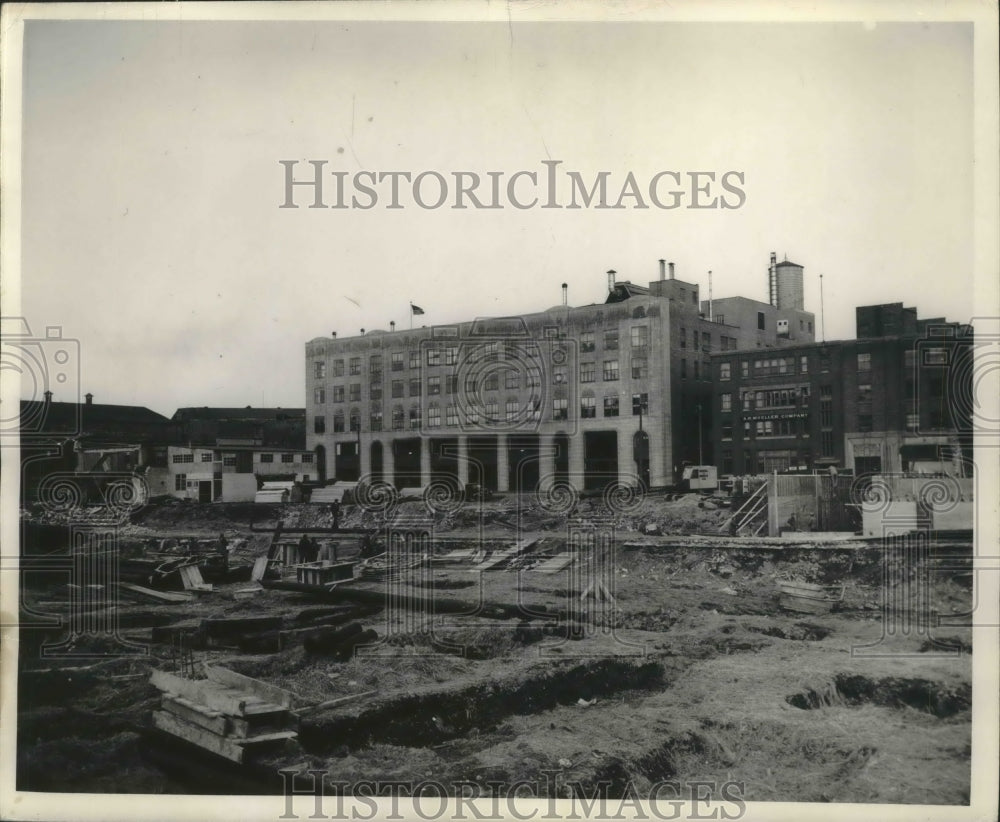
(616, 391)
(232, 473)
(884, 402)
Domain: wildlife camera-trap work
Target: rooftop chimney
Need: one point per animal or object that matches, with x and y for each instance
(671, 265)
(663, 269)
(565, 293)
(89, 398)
(611, 279)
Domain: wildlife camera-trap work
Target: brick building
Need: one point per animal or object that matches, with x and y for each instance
(892, 400)
(585, 395)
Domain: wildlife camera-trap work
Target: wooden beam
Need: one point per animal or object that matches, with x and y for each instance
(207, 718)
(162, 596)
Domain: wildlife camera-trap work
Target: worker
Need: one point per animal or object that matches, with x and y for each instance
(335, 510)
(308, 550)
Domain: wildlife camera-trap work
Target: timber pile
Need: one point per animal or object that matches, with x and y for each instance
(227, 713)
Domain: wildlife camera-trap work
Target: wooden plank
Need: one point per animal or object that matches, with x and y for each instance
(162, 596)
(340, 700)
(190, 577)
(198, 736)
(194, 713)
(259, 569)
(263, 690)
(263, 738)
(556, 563)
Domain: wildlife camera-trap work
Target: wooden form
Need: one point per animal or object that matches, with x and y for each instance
(323, 572)
(227, 713)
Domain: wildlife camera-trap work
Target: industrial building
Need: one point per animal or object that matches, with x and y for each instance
(232, 473)
(586, 395)
(896, 399)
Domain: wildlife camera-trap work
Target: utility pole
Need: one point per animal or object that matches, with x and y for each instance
(699, 434)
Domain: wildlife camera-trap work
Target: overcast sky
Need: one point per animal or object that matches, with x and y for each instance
(151, 223)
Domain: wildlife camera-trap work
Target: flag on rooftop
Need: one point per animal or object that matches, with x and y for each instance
(416, 309)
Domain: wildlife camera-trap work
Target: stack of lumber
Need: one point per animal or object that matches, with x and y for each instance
(227, 713)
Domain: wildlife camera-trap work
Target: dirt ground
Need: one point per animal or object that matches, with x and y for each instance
(693, 672)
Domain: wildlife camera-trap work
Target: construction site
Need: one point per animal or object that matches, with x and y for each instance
(614, 640)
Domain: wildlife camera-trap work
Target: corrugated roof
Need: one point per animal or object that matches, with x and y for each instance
(236, 414)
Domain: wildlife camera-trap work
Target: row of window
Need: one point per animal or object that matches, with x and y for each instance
(435, 355)
(512, 380)
(787, 365)
(181, 481)
(769, 428)
(700, 369)
(230, 459)
(772, 398)
(514, 411)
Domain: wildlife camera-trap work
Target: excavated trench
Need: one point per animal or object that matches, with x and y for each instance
(853, 690)
(423, 720)
(799, 631)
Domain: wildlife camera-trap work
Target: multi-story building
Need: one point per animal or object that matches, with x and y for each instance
(891, 400)
(584, 395)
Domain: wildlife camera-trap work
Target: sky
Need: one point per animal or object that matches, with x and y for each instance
(152, 233)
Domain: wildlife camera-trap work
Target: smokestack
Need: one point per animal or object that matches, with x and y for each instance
(663, 269)
(611, 279)
(710, 295)
(671, 265)
(772, 280)
(392, 325)
(89, 398)
(565, 293)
